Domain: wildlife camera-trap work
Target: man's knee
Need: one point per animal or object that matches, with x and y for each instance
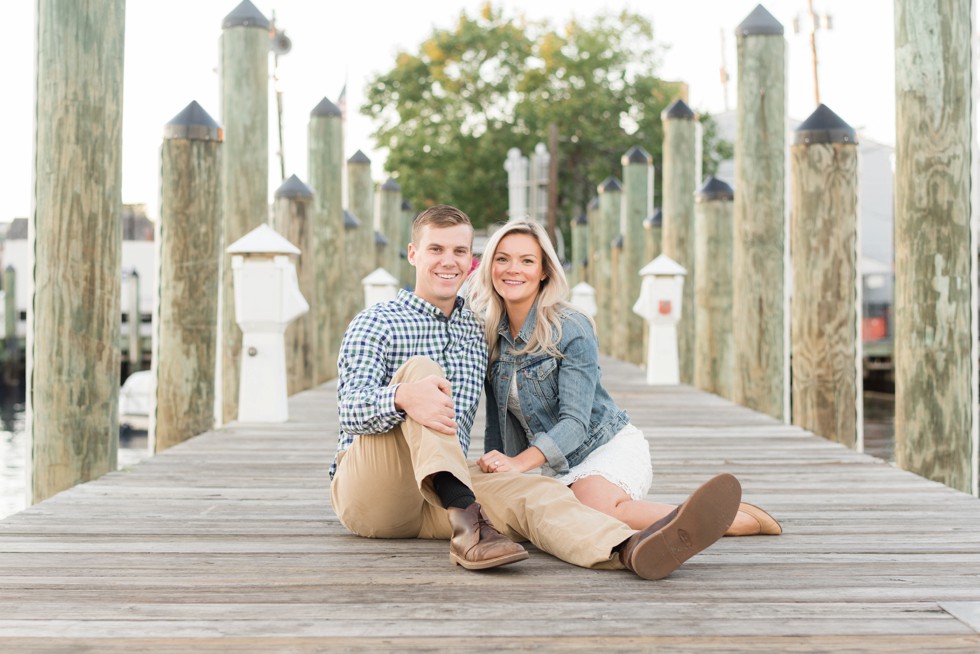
(417, 367)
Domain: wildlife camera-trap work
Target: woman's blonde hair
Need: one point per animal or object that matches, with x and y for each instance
(551, 300)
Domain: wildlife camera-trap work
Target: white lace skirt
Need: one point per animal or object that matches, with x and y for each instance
(624, 460)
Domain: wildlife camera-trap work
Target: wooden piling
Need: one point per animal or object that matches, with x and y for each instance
(389, 212)
(607, 229)
(713, 354)
(618, 341)
(360, 201)
(592, 216)
(758, 310)
(133, 321)
(188, 249)
(10, 317)
(637, 167)
(325, 157)
(73, 331)
(292, 217)
(680, 164)
(245, 167)
(827, 374)
(653, 235)
(935, 252)
(407, 276)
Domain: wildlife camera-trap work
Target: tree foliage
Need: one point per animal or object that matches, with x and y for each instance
(448, 113)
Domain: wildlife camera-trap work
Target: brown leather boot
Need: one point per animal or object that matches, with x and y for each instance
(661, 548)
(475, 544)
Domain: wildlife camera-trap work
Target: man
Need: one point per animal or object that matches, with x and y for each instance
(410, 375)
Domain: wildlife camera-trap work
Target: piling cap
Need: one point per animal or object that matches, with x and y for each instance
(678, 110)
(618, 242)
(824, 126)
(610, 184)
(380, 277)
(391, 185)
(193, 124)
(406, 205)
(262, 240)
(656, 219)
(714, 189)
(663, 265)
(379, 239)
(759, 23)
(636, 155)
(326, 108)
(582, 219)
(294, 188)
(351, 221)
(359, 158)
(245, 15)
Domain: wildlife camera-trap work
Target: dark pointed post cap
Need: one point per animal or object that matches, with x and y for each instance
(594, 203)
(350, 220)
(618, 241)
(656, 219)
(714, 189)
(359, 158)
(245, 15)
(824, 126)
(759, 23)
(294, 188)
(636, 155)
(193, 124)
(391, 185)
(406, 205)
(379, 239)
(582, 219)
(610, 184)
(326, 108)
(678, 110)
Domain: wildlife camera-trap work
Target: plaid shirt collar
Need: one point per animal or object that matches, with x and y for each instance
(414, 302)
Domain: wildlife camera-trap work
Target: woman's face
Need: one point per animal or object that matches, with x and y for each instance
(517, 269)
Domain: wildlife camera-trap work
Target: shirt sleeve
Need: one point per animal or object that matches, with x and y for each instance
(366, 403)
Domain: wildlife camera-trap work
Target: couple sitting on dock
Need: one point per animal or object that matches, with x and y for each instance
(410, 375)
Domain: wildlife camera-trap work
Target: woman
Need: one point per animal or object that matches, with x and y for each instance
(546, 406)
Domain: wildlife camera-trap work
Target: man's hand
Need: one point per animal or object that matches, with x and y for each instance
(428, 402)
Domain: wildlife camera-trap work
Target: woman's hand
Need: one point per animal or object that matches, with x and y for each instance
(494, 461)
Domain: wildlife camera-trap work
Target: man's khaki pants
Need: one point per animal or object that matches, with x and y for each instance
(382, 488)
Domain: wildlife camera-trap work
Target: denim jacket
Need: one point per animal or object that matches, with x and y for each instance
(564, 404)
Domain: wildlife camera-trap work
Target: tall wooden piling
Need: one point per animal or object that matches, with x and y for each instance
(360, 201)
(637, 168)
(292, 217)
(134, 319)
(935, 251)
(331, 298)
(827, 375)
(679, 179)
(75, 238)
(407, 276)
(188, 253)
(617, 341)
(607, 229)
(245, 167)
(390, 212)
(758, 311)
(592, 216)
(653, 228)
(713, 354)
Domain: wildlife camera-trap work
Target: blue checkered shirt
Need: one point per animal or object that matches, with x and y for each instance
(382, 338)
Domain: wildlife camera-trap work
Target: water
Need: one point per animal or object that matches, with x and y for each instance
(13, 451)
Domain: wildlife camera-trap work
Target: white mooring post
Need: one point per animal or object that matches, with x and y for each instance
(267, 298)
(659, 304)
(379, 286)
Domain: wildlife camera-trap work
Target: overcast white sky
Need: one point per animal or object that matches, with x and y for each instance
(172, 56)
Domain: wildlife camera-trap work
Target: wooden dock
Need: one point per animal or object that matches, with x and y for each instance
(228, 543)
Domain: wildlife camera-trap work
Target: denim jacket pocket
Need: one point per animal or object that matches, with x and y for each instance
(543, 375)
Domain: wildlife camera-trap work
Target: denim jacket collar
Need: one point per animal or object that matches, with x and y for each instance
(503, 329)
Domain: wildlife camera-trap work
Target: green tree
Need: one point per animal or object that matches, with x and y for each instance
(448, 113)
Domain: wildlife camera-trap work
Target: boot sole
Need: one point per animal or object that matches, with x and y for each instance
(489, 563)
(700, 521)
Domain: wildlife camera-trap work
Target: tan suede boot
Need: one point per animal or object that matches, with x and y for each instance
(475, 544)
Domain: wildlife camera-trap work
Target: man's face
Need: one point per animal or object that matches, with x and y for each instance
(442, 259)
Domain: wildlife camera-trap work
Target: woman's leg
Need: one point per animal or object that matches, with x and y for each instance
(601, 494)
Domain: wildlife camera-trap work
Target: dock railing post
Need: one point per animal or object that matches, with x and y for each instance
(390, 211)
(637, 164)
(73, 361)
(245, 168)
(407, 276)
(758, 258)
(580, 249)
(331, 299)
(936, 217)
(825, 337)
(188, 255)
(292, 218)
(360, 201)
(607, 228)
(679, 175)
(713, 363)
